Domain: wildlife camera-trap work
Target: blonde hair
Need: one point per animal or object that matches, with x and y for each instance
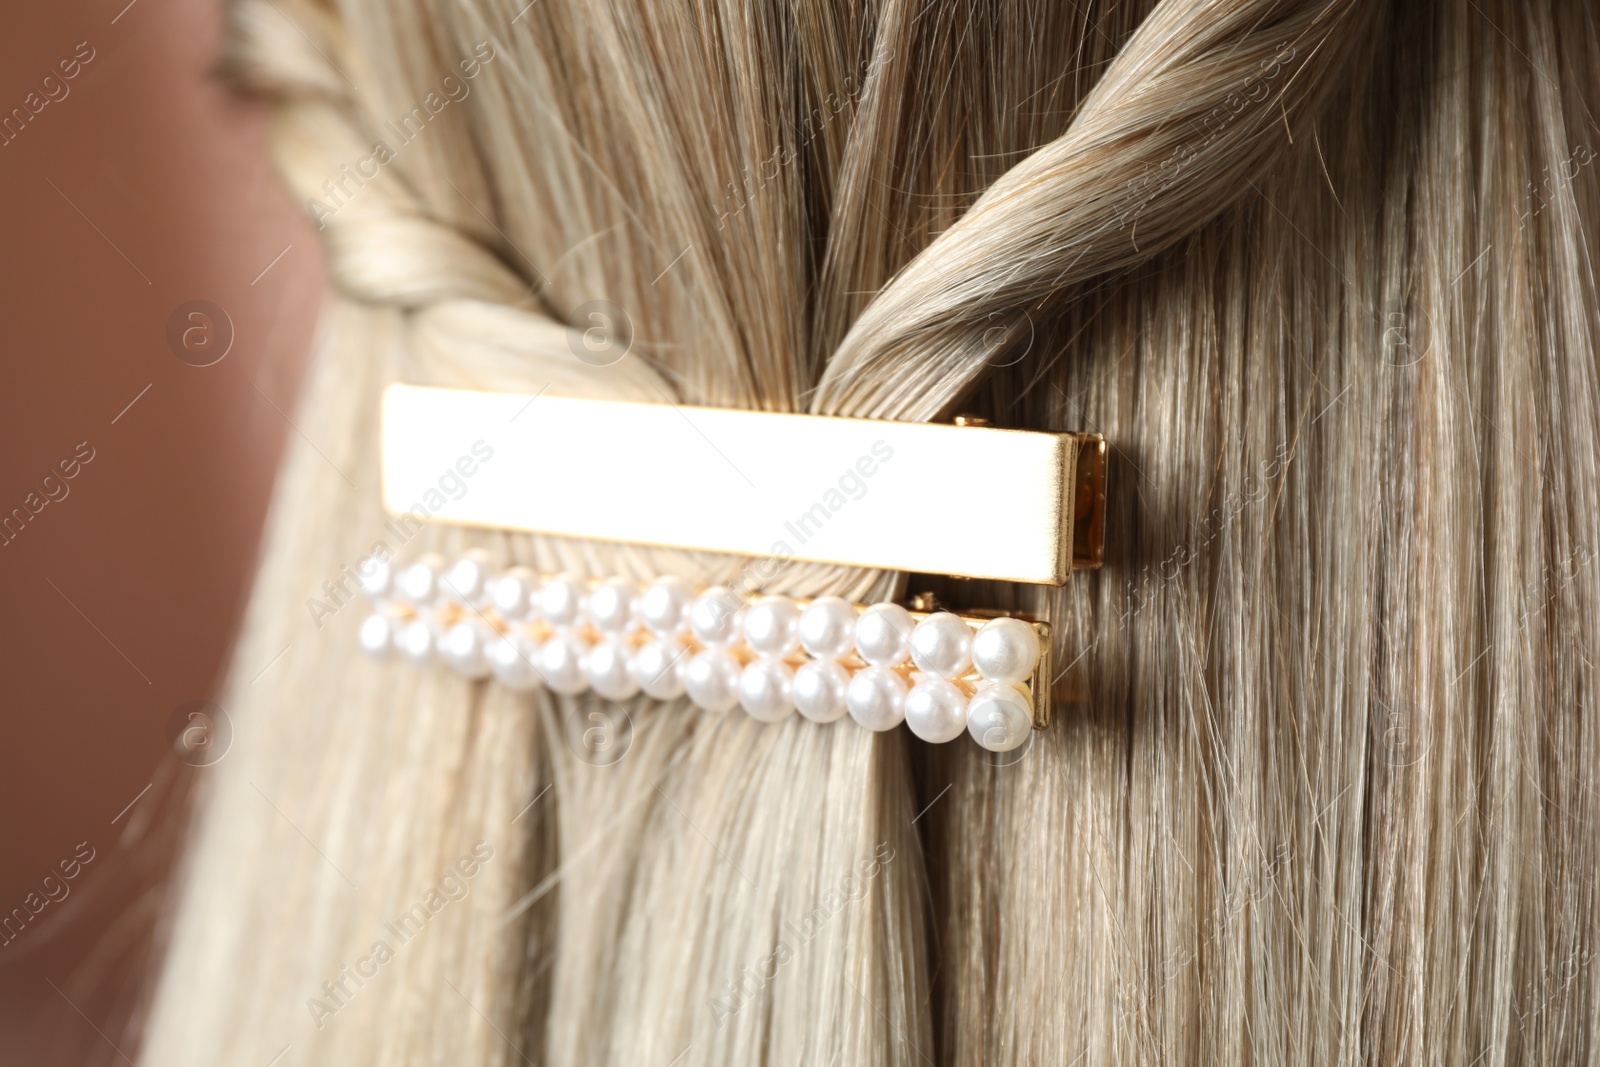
(1322, 786)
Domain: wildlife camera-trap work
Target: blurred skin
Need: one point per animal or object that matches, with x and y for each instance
(139, 187)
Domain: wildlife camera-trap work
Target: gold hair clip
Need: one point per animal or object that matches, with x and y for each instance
(777, 487)
(808, 488)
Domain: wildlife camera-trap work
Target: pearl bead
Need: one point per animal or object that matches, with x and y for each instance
(467, 580)
(828, 627)
(819, 688)
(376, 636)
(418, 584)
(417, 641)
(876, 698)
(766, 690)
(512, 594)
(772, 626)
(1006, 650)
(561, 664)
(715, 617)
(561, 600)
(883, 634)
(466, 648)
(942, 644)
(611, 605)
(712, 680)
(376, 576)
(936, 710)
(607, 667)
(513, 659)
(658, 668)
(999, 718)
(664, 606)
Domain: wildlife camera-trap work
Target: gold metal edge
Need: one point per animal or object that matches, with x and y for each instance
(1041, 682)
(1089, 503)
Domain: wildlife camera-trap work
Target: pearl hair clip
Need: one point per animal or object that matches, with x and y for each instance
(940, 673)
(776, 487)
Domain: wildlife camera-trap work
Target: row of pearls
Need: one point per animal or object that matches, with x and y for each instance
(941, 675)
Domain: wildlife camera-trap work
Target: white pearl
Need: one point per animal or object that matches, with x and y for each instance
(607, 667)
(999, 718)
(1006, 650)
(376, 636)
(766, 690)
(513, 659)
(883, 634)
(876, 698)
(467, 580)
(942, 644)
(561, 664)
(418, 583)
(658, 668)
(512, 594)
(712, 680)
(611, 605)
(417, 641)
(936, 710)
(376, 576)
(715, 617)
(772, 626)
(828, 627)
(819, 687)
(466, 648)
(664, 606)
(561, 600)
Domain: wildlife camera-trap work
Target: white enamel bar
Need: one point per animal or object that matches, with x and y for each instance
(965, 501)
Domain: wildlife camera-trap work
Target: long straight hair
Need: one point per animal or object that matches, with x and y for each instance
(1322, 784)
